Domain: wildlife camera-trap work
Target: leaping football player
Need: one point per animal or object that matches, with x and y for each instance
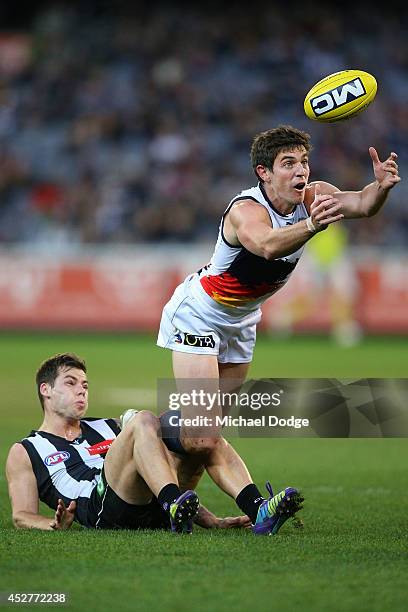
(210, 322)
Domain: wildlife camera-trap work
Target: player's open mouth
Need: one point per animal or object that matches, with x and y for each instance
(299, 186)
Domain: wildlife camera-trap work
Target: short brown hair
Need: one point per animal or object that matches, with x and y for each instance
(49, 369)
(267, 145)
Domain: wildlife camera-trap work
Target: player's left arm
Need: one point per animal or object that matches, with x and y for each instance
(208, 520)
(368, 201)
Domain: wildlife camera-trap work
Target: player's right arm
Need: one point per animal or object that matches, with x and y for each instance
(24, 499)
(249, 225)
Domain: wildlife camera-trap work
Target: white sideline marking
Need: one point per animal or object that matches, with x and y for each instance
(375, 491)
(333, 490)
(132, 398)
(326, 489)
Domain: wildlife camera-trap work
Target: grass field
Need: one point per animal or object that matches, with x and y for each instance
(351, 554)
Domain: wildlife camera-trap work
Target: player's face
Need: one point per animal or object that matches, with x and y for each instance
(290, 176)
(69, 395)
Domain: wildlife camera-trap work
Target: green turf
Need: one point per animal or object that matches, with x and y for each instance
(351, 554)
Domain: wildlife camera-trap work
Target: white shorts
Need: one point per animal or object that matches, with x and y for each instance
(196, 324)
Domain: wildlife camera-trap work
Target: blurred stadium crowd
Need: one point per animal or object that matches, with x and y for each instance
(134, 125)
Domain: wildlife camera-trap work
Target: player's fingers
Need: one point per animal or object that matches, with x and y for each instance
(332, 220)
(60, 509)
(319, 197)
(72, 506)
(242, 521)
(327, 212)
(330, 204)
(391, 167)
(374, 155)
(322, 196)
(325, 197)
(329, 220)
(57, 522)
(324, 202)
(238, 524)
(229, 522)
(393, 155)
(232, 522)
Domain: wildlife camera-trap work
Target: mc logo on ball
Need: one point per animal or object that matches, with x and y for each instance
(338, 97)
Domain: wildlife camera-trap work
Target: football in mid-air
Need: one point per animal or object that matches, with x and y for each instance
(340, 96)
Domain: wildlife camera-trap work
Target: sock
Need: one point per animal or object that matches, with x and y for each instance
(167, 495)
(249, 501)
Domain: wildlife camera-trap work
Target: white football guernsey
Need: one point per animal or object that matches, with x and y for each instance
(237, 278)
(216, 310)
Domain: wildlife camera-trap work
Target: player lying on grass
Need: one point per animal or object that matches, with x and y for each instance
(90, 471)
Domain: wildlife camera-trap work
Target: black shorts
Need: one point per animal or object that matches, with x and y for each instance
(108, 511)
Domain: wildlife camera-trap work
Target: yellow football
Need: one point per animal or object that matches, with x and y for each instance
(340, 96)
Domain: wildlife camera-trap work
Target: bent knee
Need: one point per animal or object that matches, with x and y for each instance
(143, 422)
(200, 445)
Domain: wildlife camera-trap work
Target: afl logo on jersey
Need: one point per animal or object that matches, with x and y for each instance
(56, 458)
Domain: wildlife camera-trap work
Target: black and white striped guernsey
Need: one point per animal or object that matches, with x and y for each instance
(70, 470)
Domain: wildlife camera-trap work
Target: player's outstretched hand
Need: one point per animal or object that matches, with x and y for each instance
(63, 516)
(234, 522)
(386, 172)
(324, 210)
